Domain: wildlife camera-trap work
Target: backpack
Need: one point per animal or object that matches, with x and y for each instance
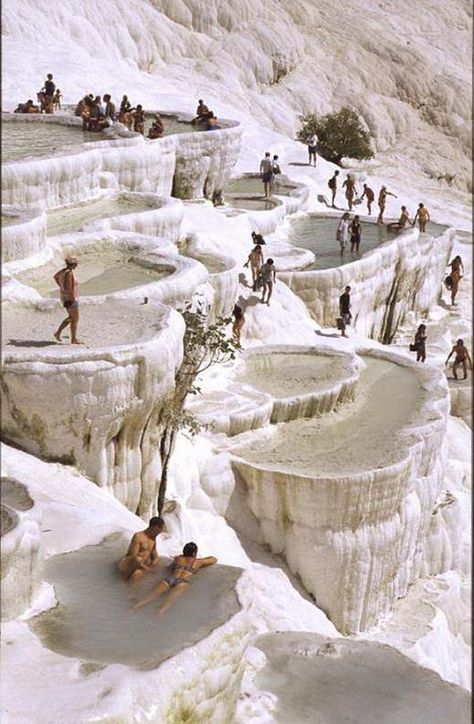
(332, 183)
(448, 282)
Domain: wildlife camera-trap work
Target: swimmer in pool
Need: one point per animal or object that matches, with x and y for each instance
(142, 555)
(183, 569)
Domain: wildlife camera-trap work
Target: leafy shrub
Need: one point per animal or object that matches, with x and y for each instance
(340, 135)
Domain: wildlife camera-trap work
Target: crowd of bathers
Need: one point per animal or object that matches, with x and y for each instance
(99, 112)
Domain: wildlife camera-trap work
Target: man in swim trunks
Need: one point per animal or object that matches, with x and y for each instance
(461, 358)
(382, 202)
(266, 174)
(268, 275)
(402, 222)
(69, 295)
(184, 567)
(142, 555)
(349, 183)
(423, 216)
(369, 195)
(332, 183)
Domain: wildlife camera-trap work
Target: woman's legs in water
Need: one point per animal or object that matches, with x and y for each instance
(161, 588)
(177, 591)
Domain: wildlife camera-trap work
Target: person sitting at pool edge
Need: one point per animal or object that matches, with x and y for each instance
(183, 568)
(142, 555)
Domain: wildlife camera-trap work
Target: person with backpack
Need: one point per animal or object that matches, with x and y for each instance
(419, 345)
(345, 314)
(266, 174)
(332, 183)
(370, 196)
(69, 295)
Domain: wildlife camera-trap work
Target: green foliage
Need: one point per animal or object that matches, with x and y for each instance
(204, 344)
(341, 135)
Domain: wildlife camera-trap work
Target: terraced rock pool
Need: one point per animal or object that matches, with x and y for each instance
(318, 234)
(21, 139)
(73, 218)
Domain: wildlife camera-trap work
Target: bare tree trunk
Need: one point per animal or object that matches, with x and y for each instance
(166, 450)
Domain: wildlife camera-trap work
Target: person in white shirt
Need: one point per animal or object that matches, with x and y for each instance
(312, 147)
(342, 234)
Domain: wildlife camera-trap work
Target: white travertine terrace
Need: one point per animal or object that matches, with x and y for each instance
(21, 549)
(196, 164)
(24, 234)
(399, 276)
(361, 505)
(94, 407)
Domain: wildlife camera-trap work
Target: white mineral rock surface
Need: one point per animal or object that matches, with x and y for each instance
(364, 504)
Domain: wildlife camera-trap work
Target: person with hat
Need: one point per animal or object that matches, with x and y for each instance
(382, 202)
(69, 289)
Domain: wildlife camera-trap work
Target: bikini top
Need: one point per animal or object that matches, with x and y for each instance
(188, 569)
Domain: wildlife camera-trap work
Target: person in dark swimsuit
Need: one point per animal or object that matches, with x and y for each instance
(420, 343)
(355, 230)
(184, 567)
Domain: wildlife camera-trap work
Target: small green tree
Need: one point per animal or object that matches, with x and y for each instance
(340, 135)
(204, 345)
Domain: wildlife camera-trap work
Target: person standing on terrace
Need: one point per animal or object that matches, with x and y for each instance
(139, 119)
(457, 271)
(332, 183)
(461, 358)
(266, 174)
(69, 294)
(312, 148)
(382, 202)
(268, 275)
(423, 216)
(109, 108)
(370, 196)
(49, 86)
(255, 259)
(345, 314)
(349, 183)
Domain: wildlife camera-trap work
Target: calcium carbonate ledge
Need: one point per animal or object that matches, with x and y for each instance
(368, 529)
(24, 234)
(95, 408)
(21, 554)
(401, 275)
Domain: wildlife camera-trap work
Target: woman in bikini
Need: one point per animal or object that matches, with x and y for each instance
(183, 569)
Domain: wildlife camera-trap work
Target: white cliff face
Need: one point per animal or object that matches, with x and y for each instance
(23, 232)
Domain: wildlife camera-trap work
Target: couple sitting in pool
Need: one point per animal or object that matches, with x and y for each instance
(142, 556)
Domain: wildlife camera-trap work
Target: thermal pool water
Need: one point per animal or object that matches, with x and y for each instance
(28, 138)
(94, 622)
(100, 272)
(318, 234)
(73, 218)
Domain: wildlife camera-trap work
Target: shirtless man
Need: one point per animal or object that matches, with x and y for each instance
(184, 567)
(423, 216)
(269, 277)
(157, 128)
(69, 295)
(349, 183)
(255, 259)
(202, 111)
(266, 174)
(402, 222)
(370, 196)
(142, 555)
(382, 202)
(461, 358)
(332, 183)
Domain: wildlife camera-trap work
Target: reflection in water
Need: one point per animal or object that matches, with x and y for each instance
(93, 620)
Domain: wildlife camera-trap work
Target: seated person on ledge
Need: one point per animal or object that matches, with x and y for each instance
(201, 112)
(142, 554)
(157, 128)
(402, 222)
(183, 569)
(27, 107)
